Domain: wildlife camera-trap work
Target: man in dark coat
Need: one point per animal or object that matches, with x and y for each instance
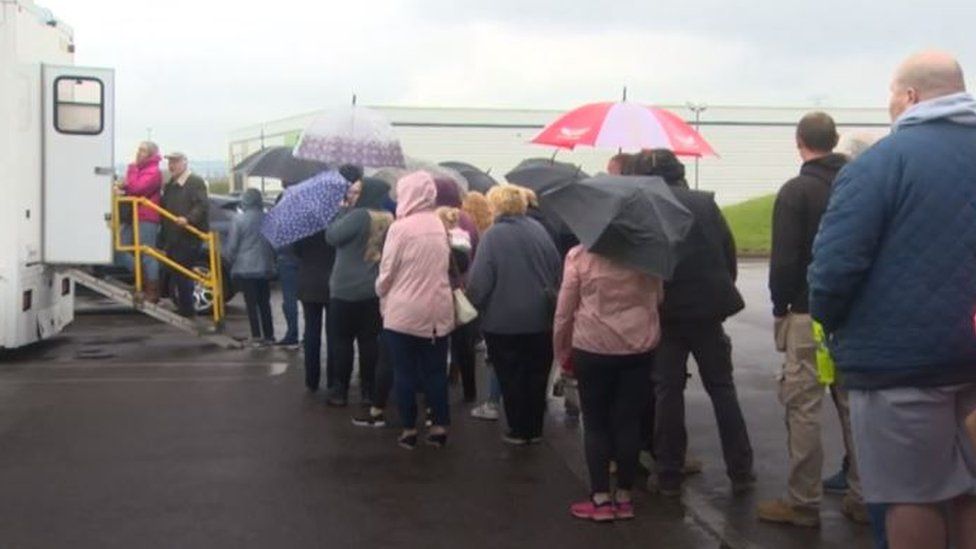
(185, 196)
(796, 216)
(697, 300)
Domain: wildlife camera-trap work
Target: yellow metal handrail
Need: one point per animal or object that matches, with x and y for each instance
(215, 279)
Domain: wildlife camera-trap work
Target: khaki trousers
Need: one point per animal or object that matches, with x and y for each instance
(802, 395)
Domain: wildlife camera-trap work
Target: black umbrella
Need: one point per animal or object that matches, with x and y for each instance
(278, 162)
(636, 221)
(477, 180)
(543, 174)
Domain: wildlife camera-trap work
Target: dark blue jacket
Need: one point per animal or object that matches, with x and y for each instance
(893, 278)
(514, 277)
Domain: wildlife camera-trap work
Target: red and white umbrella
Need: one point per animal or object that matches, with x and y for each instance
(624, 125)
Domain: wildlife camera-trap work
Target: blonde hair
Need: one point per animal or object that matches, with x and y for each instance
(531, 199)
(507, 200)
(477, 206)
(449, 216)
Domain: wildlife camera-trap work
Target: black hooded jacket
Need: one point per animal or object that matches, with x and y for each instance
(703, 285)
(800, 204)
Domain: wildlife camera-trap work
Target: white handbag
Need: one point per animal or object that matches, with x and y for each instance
(464, 311)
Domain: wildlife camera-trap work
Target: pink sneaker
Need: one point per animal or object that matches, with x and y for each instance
(588, 510)
(623, 510)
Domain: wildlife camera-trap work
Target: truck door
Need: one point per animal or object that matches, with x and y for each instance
(78, 159)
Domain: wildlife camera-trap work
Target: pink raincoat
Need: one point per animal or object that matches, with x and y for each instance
(605, 308)
(413, 286)
(145, 179)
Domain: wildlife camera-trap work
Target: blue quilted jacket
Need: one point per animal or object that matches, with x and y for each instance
(893, 278)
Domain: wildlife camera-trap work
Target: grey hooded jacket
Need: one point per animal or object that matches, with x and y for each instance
(248, 252)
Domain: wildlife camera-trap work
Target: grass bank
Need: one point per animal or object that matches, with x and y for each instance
(751, 223)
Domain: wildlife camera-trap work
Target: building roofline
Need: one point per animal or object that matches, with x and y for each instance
(556, 111)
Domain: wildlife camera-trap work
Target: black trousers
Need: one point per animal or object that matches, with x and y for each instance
(313, 311)
(257, 299)
(384, 375)
(522, 363)
(185, 253)
(613, 393)
(356, 323)
(463, 358)
(712, 350)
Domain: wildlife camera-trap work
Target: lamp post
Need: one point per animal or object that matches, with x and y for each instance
(262, 148)
(698, 109)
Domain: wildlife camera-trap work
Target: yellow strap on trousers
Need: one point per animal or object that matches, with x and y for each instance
(826, 369)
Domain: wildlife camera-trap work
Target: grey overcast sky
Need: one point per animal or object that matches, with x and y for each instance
(195, 70)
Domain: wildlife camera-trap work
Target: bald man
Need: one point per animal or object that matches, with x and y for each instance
(893, 281)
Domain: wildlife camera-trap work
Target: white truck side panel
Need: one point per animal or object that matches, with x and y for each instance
(27, 39)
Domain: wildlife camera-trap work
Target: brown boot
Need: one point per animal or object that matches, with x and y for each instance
(150, 291)
(784, 512)
(855, 511)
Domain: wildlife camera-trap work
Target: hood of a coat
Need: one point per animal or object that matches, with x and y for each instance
(374, 193)
(152, 161)
(958, 107)
(448, 193)
(824, 168)
(251, 199)
(416, 192)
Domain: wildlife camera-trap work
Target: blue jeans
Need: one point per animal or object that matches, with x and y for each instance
(288, 276)
(148, 235)
(878, 512)
(419, 362)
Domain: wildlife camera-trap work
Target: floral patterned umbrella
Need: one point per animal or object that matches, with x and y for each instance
(351, 135)
(305, 208)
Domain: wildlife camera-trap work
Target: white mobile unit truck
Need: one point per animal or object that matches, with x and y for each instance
(56, 158)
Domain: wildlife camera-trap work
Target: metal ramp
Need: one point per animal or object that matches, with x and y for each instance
(124, 296)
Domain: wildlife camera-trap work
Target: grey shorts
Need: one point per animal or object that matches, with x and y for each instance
(911, 443)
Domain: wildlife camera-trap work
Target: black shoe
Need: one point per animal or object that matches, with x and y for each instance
(407, 442)
(437, 441)
(287, 343)
(368, 419)
(337, 401)
(514, 440)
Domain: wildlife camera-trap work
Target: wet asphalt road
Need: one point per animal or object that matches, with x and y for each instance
(123, 433)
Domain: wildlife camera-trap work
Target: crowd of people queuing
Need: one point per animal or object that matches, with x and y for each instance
(879, 249)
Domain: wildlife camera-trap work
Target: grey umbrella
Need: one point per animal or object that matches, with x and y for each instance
(477, 180)
(636, 221)
(543, 174)
(392, 175)
(278, 162)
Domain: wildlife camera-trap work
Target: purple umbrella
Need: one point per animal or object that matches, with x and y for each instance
(305, 208)
(352, 135)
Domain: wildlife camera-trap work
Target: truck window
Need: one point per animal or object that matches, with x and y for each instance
(79, 105)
